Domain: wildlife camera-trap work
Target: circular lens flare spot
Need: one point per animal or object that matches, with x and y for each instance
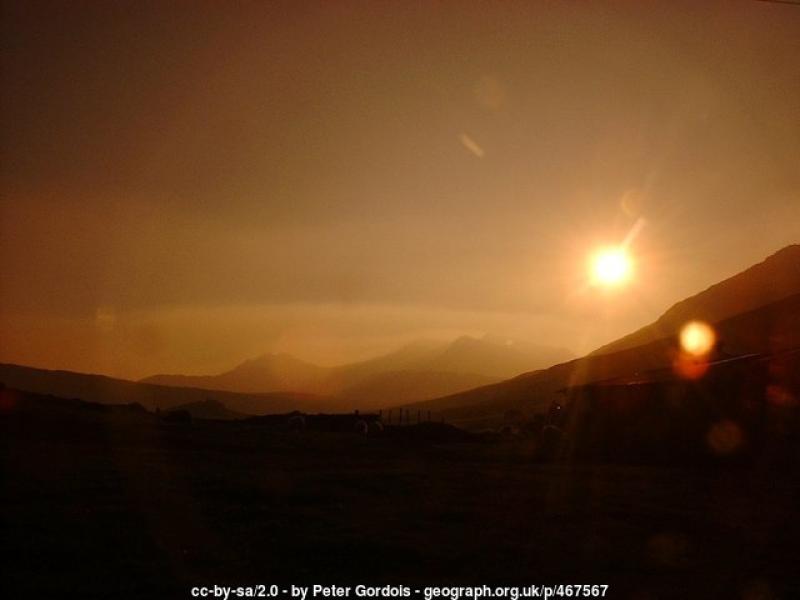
(611, 267)
(690, 367)
(725, 437)
(697, 338)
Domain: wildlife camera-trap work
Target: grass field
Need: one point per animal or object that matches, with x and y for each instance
(116, 508)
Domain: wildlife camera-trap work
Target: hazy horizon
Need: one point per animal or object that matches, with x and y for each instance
(181, 190)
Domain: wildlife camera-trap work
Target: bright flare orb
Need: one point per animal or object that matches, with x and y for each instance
(697, 338)
(611, 267)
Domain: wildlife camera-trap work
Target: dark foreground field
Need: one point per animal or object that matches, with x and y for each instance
(121, 508)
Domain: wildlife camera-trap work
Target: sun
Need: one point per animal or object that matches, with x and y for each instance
(611, 267)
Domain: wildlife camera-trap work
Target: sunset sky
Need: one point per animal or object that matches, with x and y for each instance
(185, 185)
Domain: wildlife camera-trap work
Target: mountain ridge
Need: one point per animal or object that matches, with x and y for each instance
(421, 369)
(768, 321)
(772, 279)
(112, 391)
(756, 310)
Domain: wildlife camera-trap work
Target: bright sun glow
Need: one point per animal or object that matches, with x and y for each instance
(611, 267)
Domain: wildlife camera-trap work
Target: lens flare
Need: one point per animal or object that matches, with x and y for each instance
(611, 267)
(690, 367)
(697, 338)
(725, 437)
(697, 341)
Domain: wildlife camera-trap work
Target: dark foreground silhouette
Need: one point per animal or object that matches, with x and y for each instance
(114, 501)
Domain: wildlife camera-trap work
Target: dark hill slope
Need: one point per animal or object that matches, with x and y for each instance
(757, 310)
(775, 278)
(772, 328)
(107, 390)
(418, 371)
(267, 373)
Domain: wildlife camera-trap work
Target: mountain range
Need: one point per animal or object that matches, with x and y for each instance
(108, 390)
(755, 311)
(466, 380)
(417, 371)
(276, 383)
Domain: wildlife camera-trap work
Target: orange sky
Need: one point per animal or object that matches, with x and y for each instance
(186, 186)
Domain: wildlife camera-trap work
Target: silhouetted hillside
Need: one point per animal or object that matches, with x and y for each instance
(770, 327)
(775, 278)
(209, 409)
(46, 407)
(107, 390)
(403, 359)
(414, 372)
(267, 373)
(754, 311)
(410, 386)
(499, 358)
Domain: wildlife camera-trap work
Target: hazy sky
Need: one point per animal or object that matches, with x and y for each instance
(185, 185)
